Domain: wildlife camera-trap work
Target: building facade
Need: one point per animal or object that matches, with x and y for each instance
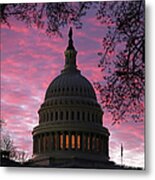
(70, 131)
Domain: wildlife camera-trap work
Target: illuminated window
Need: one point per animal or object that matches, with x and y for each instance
(78, 141)
(67, 141)
(61, 141)
(73, 141)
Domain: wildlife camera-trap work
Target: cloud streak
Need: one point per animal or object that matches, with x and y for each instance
(30, 61)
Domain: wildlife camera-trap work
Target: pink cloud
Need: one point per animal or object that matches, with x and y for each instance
(30, 61)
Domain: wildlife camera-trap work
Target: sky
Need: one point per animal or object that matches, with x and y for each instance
(30, 60)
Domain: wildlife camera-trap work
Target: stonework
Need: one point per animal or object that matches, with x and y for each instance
(70, 126)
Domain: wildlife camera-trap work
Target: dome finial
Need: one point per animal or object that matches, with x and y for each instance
(70, 33)
(70, 42)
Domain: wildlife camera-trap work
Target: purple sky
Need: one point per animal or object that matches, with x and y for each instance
(30, 61)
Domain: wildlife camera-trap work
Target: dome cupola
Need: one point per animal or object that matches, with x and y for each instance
(70, 120)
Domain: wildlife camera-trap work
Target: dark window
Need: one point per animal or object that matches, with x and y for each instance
(72, 115)
(61, 115)
(47, 116)
(83, 115)
(67, 115)
(88, 116)
(51, 116)
(96, 118)
(93, 117)
(78, 115)
(56, 115)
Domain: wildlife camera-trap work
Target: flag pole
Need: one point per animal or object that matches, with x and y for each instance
(121, 154)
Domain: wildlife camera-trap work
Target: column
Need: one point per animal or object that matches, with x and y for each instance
(54, 141)
(80, 141)
(95, 148)
(49, 116)
(38, 144)
(90, 142)
(64, 141)
(70, 140)
(58, 141)
(82, 144)
(33, 145)
(107, 146)
(54, 115)
(86, 141)
(103, 146)
(76, 143)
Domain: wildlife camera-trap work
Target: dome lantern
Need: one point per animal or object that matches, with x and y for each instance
(70, 54)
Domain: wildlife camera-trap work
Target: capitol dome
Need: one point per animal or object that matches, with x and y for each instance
(70, 84)
(70, 121)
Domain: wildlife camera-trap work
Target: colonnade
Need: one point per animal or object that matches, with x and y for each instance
(78, 141)
(56, 115)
